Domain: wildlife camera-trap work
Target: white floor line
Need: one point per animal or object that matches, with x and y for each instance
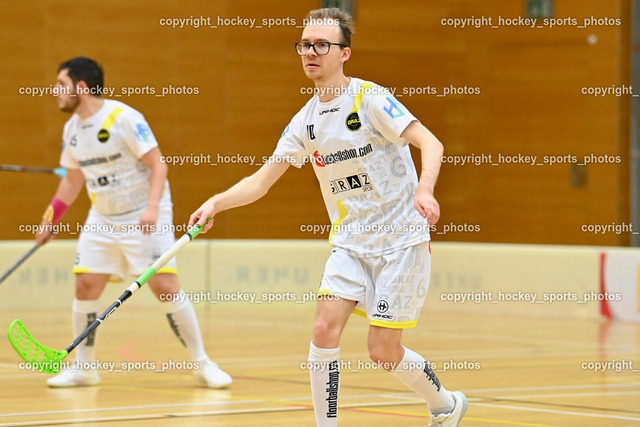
(195, 414)
(129, 408)
(553, 387)
(534, 396)
(554, 411)
(530, 341)
(398, 399)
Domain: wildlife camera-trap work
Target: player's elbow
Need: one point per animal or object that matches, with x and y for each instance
(74, 178)
(261, 181)
(421, 138)
(431, 144)
(159, 169)
(260, 187)
(438, 147)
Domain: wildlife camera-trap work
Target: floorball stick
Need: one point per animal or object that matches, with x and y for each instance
(61, 172)
(22, 259)
(48, 360)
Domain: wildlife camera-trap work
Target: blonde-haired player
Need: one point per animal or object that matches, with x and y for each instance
(109, 147)
(356, 136)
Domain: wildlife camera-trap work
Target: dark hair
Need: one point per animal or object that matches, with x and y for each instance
(333, 15)
(86, 70)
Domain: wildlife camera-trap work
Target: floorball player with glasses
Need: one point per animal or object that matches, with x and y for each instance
(356, 136)
(109, 148)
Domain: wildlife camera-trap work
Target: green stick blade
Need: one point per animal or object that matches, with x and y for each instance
(42, 358)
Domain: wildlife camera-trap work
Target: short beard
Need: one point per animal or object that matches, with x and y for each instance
(73, 103)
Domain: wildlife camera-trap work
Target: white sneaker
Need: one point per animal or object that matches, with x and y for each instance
(452, 418)
(74, 377)
(210, 374)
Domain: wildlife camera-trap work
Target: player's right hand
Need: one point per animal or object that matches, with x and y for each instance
(44, 234)
(199, 217)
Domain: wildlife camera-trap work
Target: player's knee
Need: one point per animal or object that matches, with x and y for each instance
(385, 356)
(326, 334)
(164, 284)
(322, 329)
(88, 287)
(164, 290)
(377, 355)
(85, 292)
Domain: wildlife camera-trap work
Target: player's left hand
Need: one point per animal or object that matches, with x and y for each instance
(148, 220)
(427, 205)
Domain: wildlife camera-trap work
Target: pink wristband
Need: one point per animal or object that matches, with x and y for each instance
(55, 210)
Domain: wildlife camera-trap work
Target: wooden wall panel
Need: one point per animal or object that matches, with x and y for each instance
(249, 84)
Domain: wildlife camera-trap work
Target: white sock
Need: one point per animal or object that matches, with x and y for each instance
(415, 373)
(325, 384)
(83, 313)
(184, 323)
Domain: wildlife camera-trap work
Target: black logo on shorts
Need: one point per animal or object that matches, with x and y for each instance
(103, 135)
(353, 121)
(383, 306)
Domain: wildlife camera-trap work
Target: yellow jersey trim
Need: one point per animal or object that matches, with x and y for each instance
(341, 209)
(111, 118)
(359, 312)
(336, 224)
(167, 270)
(386, 323)
(394, 325)
(358, 98)
(82, 270)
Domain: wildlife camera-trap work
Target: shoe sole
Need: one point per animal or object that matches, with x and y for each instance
(71, 385)
(465, 404)
(219, 387)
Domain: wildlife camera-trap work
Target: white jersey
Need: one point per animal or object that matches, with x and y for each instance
(107, 147)
(365, 170)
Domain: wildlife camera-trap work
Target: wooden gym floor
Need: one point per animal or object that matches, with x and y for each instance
(516, 371)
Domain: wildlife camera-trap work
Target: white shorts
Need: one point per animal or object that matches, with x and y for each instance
(116, 246)
(390, 289)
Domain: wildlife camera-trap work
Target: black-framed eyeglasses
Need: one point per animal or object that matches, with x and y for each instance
(320, 48)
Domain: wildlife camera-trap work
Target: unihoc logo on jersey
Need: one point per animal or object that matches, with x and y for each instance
(331, 110)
